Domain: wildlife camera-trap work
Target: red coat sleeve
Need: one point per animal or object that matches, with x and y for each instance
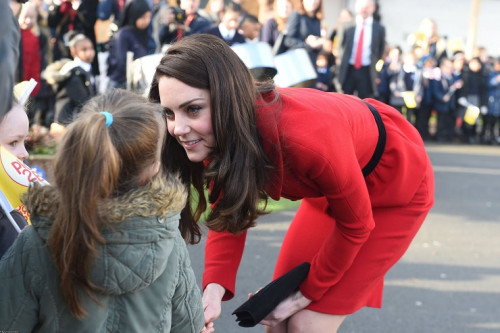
(223, 253)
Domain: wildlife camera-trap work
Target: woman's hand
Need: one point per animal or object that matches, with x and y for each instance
(288, 307)
(212, 299)
(315, 42)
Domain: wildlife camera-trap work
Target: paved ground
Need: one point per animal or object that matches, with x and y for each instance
(448, 281)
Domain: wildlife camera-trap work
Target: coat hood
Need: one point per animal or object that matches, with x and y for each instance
(58, 71)
(139, 236)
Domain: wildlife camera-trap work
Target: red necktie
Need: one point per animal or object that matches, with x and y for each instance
(189, 19)
(359, 49)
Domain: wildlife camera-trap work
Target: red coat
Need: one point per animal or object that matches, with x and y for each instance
(319, 142)
(31, 59)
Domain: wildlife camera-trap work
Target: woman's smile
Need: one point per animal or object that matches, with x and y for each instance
(189, 144)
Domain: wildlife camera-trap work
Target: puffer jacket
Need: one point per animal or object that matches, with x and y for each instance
(73, 88)
(143, 268)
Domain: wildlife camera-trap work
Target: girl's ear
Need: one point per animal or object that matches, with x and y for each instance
(156, 167)
(149, 172)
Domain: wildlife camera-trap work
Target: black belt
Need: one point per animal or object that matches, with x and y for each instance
(379, 149)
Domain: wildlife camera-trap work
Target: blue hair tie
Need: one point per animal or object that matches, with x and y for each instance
(109, 118)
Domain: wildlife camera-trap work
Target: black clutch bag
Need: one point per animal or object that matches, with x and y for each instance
(262, 303)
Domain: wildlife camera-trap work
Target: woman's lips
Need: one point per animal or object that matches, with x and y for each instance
(190, 144)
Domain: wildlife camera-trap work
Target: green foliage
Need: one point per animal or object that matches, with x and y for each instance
(282, 204)
(40, 142)
(272, 205)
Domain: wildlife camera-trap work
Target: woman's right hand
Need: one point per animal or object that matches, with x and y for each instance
(212, 299)
(314, 42)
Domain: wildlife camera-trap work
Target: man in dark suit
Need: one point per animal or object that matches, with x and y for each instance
(361, 45)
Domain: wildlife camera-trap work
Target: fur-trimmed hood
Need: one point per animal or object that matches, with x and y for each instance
(58, 71)
(160, 197)
(139, 237)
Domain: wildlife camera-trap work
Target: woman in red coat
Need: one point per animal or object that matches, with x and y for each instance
(360, 168)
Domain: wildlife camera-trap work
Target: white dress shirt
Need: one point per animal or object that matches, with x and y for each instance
(226, 34)
(367, 40)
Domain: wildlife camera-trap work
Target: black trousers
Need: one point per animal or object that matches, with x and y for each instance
(358, 80)
(423, 116)
(488, 130)
(445, 126)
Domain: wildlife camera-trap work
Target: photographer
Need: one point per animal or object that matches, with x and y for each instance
(182, 21)
(63, 18)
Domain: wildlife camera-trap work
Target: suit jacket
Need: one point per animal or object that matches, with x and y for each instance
(346, 42)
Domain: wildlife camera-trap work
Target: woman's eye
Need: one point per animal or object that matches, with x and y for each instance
(194, 109)
(13, 144)
(168, 113)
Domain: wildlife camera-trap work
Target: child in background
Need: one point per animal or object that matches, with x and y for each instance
(443, 93)
(391, 66)
(13, 132)
(474, 93)
(133, 36)
(228, 26)
(324, 81)
(250, 28)
(425, 75)
(104, 252)
(491, 120)
(74, 83)
(14, 128)
(401, 86)
(213, 10)
(32, 62)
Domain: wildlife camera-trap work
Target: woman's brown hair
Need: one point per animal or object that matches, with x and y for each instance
(94, 163)
(238, 167)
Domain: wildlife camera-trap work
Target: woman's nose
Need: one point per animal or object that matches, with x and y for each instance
(181, 127)
(22, 153)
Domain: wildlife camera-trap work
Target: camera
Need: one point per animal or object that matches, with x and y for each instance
(180, 15)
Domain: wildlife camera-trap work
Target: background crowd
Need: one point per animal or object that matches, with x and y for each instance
(77, 49)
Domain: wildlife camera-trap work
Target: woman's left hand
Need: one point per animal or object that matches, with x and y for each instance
(288, 307)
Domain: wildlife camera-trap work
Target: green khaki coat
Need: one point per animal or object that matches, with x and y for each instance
(143, 268)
